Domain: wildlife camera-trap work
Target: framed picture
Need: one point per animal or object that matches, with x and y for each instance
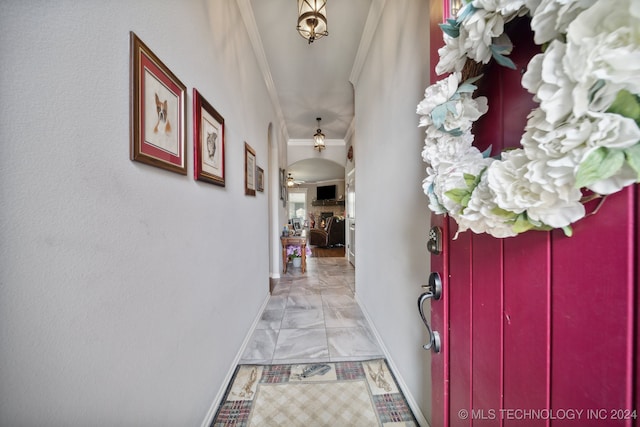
(297, 225)
(283, 188)
(259, 179)
(208, 142)
(249, 170)
(157, 117)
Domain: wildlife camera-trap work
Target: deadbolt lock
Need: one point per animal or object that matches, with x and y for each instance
(434, 245)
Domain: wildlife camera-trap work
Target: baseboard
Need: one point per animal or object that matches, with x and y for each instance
(236, 361)
(422, 421)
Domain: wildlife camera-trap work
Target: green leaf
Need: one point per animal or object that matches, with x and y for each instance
(626, 104)
(467, 10)
(588, 169)
(522, 224)
(451, 107)
(438, 115)
(568, 230)
(450, 30)
(612, 163)
(465, 200)
(457, 195)
(632, 156)
(501, 59)
(470, 180)
(501, 46)
(454, 132)
(472, 80)
(503, 213)
(466, 88)
(602, 163)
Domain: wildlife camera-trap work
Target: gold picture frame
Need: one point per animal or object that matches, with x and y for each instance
(208, 142)
(157, 111)
(249, 170)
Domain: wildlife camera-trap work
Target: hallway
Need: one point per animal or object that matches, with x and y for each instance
(313, 317)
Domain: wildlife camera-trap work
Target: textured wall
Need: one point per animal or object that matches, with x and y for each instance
(125, 290)
(392, 216)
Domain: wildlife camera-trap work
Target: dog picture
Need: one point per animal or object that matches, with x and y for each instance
(163, 119)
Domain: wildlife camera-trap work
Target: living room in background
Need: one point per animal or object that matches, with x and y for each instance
(298, 205)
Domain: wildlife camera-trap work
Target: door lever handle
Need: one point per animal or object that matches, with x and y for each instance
(434, 290)
(434, 337)
(434, 286)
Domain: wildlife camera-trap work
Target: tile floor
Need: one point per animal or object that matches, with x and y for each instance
(313, 317)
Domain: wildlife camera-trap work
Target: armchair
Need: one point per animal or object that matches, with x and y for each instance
(331, 235)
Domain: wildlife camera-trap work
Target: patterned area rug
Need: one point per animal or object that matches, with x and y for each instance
(313, 395)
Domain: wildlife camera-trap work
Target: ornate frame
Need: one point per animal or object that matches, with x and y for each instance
(208, 142)
(157, 111)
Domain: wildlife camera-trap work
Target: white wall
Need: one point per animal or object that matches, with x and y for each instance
(125, 290)
(393, 219)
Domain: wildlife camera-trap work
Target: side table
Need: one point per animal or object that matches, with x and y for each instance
(294, 241)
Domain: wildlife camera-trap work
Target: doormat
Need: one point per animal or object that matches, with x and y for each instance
(315, 395)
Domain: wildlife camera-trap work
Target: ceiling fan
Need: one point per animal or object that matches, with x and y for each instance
(293, 182)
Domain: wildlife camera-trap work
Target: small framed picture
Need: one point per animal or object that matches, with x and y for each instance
(208, 142)
(157, 117)
(249, 170)
(283, 188)
(259, 179)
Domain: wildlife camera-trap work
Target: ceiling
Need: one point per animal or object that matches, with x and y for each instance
(305, 80)
(315, 170)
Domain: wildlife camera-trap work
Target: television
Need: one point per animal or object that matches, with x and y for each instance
(326, 192)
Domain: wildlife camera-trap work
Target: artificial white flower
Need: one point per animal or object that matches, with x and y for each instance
(547, 80)
(479, 30)
(543, 140)
(625, 176)
(440, 146)
(608, 35)
(575, 80)
(451, 177)
(515, 192)
(452, 55)
(462, 109)
(480, 217)
(552, 17)
(438, 93)
(504, 7)
(427, 186)
(611, 130)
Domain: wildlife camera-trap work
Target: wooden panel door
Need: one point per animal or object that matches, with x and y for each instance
(540, 329)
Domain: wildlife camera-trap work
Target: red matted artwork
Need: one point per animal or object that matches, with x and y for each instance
(208, 142)
(158, 135)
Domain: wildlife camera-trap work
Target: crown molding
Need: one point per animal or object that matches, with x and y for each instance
(375, 11)
(350, 130)
(246, 11)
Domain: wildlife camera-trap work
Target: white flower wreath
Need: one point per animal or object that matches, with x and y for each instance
(585, 133)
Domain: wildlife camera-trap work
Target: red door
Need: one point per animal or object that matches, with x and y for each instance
(539, 329)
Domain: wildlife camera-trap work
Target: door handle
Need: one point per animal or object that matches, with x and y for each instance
(434, 290)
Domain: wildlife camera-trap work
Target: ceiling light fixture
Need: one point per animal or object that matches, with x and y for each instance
(318, 138)
(290, 181)
(454, 8)
(312, 19)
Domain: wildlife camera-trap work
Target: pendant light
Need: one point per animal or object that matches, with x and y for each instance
(312, 19)
(318, 138)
